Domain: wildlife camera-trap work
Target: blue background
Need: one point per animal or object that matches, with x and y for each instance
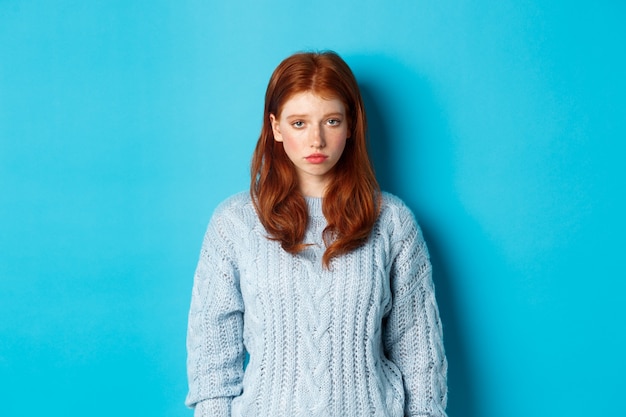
(124, 123)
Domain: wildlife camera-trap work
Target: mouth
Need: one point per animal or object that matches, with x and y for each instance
(316, 158)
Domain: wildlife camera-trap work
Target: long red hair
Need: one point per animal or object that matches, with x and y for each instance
(351, 201)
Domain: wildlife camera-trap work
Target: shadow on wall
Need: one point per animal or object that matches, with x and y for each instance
(406, 123)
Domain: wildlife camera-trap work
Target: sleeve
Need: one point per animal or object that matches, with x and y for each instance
(412, 335)
(215, 349)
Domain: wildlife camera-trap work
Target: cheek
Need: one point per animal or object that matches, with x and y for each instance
(343, 146)
(290, 147)
(289, 144)
(340, 140)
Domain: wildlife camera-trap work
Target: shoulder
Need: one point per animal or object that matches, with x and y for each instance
(409, 253)
(235, 213)
(395, 213)
(398, 222)
(230, 224)
(234, 205)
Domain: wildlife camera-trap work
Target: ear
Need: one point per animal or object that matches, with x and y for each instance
(276, 128)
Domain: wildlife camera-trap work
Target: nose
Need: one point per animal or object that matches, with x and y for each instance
(317, 138)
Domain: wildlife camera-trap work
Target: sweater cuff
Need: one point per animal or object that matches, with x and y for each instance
(213, 407)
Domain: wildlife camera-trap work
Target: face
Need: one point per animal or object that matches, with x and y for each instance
(313, 131)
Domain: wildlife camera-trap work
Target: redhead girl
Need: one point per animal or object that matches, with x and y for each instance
(320, 278)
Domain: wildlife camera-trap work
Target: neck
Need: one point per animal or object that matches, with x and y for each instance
(313, 188)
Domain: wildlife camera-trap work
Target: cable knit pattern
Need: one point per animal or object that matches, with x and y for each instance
(360, 339)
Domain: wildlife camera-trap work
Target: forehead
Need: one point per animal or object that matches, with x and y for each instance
(310, 102)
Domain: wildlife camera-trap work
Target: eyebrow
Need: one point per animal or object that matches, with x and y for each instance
(302, 116)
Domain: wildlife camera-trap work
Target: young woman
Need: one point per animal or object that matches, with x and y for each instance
(321, 278)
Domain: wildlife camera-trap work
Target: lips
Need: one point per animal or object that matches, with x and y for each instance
(316, 158)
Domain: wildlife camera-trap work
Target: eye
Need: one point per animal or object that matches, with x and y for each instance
(334, 122)
(298, 124)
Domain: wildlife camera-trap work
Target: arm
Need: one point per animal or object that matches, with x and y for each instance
(413, 334)
(214, 336)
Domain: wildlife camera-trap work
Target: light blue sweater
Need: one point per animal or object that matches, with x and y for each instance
(361, 339)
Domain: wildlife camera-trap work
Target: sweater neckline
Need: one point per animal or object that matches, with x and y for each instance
(314, 204)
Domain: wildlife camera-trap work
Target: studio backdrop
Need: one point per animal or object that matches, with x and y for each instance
(124, 123)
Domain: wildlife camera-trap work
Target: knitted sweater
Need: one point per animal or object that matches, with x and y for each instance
(362, 338)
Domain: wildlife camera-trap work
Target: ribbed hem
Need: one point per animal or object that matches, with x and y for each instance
(213, 407)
